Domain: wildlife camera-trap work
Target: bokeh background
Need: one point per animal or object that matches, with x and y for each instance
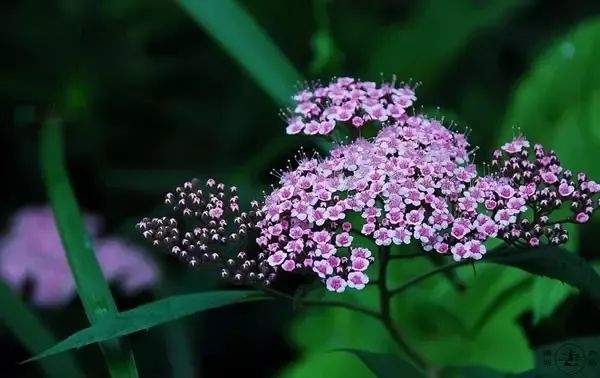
(150, 100)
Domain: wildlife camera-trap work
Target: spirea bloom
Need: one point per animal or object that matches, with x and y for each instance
(536, 181)
(414, 182)
(350, 102)
(31, 253)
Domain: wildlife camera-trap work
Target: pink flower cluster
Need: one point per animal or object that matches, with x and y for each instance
(348, 101)
(540, 184)
(411, 182)
(31, 252)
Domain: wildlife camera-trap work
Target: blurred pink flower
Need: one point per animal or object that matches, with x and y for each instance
(32, 252)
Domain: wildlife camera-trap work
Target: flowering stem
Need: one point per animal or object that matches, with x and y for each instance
(314, 302)
(423, 276)
(385, 315)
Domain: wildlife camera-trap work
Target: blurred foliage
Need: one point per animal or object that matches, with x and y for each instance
(150, 99)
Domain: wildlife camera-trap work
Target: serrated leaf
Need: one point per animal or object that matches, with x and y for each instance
(386, 365)
(147, 316)
(552, 262)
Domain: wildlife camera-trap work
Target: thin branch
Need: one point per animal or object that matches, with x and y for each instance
(431, 273)
(316, 302)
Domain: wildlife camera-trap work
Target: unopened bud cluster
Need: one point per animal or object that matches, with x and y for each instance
(545, 187)
(216, 224)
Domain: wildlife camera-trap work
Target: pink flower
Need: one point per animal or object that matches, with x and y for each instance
(349, 103)
(32, 251)
(336, 284)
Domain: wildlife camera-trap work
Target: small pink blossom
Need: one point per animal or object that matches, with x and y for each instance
(357, 280)
(32, 251)
(336, 283)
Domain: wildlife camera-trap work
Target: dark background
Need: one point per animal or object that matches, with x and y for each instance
(150, 100)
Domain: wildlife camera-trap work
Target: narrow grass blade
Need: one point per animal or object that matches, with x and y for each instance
(147, 316)
(25, 325)
(230, 25)
(179, 351)
(92, 288)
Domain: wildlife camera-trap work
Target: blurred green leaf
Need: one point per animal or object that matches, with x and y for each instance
(552, 262)
(326, 54)
(489, 293)
(386, 365)
(556, 103)
(148, 316)
(92, 287)
(474, 372)
(422, 47)
(481, 319)
(500, 344)
(547, 360)
(317, 331)
(330, 365)
(548, 294)
(230, 25)
(33, 334)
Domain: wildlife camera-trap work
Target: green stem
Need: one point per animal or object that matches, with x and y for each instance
(311, 302)
(426, 275)
(92, 287)
(385, 317)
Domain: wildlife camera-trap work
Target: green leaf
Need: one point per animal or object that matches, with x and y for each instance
(400, 48)
(556, 103)
(230, 25)
(386, 365)
(327, 364)
(549, 294)
(148, 316)
(552, 262)
(92, 288)
(33, 334)
(500, 344)
(474, 372)
(487, 333)
(490, 291)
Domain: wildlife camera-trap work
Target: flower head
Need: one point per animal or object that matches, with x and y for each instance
(413, 182)
(535, 182)
(32, 252)
(347, 101)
